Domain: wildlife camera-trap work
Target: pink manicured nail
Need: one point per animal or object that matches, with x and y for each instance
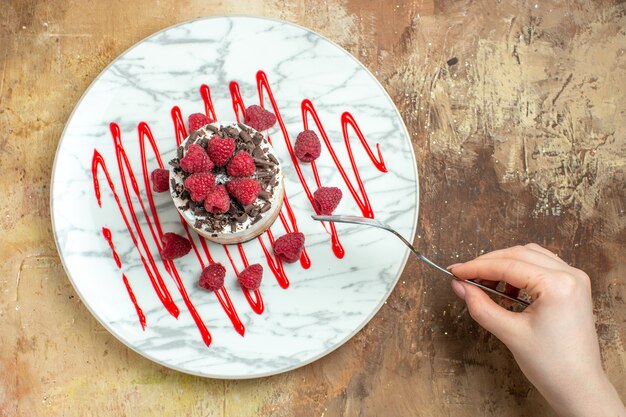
(453, 265)
(458, 289)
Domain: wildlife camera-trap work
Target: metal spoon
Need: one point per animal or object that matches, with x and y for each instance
(384, 226)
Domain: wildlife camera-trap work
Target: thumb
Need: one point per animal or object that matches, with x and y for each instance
(495, 319)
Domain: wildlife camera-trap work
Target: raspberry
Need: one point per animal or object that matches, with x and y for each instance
(244, 190)
(326, 199)
(174, 246)
(217, 201)
(250, 277)
(220, 150)
(196, 160)
(160, 180)
(259, 118)
(289, 247)
(308, 147)
(197, 120)
(199, 185)
(242, 165)
(212, 277)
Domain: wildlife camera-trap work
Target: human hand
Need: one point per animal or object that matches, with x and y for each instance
(553, 340)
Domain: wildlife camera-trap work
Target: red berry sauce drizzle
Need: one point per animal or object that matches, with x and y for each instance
(305, 261)
(109, 238)
(288, 219)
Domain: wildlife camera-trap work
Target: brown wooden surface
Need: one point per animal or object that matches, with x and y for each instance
(523, 140)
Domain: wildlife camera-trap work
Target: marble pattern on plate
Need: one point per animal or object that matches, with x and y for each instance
(324, 305)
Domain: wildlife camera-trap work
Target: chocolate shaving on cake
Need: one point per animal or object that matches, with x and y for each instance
(193, 136)
(204, 142)
(257, 138)
(257, 152)
(265, 207)
(245, 136)
(272, 158)
(261, 162)
(256, 219)
(200, 211)
(264, 195)
(243, 146)
(265, 174)
(241, 218)
(232, 132)
(212, 128)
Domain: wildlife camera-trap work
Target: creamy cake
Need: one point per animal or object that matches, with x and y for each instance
(240, 222)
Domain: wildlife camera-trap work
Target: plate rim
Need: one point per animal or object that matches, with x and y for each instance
(269, 373)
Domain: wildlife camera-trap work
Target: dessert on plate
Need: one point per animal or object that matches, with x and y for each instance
(226, 182)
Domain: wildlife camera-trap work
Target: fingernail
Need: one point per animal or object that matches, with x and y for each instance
(458, 289)
(453, 266)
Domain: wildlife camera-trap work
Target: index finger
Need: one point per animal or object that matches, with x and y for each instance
(518, 273)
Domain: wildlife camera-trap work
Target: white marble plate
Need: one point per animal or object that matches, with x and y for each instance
(325, 304)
